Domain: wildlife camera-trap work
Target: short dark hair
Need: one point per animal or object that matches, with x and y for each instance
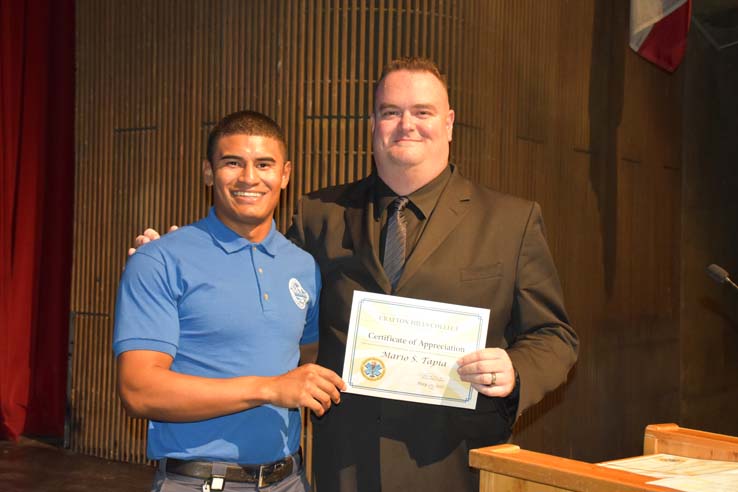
(246, 123)
(411, 64)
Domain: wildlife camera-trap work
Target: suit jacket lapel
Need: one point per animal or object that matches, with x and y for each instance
(453, 204)
(359, 217)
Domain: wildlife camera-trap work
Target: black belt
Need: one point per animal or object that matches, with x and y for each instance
(258, 474)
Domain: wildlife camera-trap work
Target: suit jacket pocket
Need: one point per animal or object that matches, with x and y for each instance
(481, 272)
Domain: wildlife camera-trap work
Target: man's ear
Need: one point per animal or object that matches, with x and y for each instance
(207, 173)
(450, 124)
(286, 171)
(372, 120)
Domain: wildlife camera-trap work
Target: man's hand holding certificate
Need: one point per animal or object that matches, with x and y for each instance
(407, 349)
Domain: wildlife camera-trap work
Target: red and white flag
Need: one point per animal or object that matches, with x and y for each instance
(658, 30)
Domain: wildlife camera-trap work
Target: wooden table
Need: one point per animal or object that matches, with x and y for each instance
(507, 468)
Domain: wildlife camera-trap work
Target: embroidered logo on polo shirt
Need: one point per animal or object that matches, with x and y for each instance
(299, 295)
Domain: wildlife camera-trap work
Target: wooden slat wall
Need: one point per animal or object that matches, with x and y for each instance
(550, 105)
(709, 312)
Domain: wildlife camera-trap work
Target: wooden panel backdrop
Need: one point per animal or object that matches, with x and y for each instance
(550, 106)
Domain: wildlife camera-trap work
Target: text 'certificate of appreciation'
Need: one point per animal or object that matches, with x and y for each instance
(406, 349)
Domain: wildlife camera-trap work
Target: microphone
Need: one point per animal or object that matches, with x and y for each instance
(719, 275)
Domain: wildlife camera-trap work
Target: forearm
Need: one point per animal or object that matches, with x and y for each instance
(162, 394)
(542, 362)
(149, 388)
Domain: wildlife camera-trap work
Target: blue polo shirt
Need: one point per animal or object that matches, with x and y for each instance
(221, 307)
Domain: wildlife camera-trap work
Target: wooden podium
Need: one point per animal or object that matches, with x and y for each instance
(508, 468)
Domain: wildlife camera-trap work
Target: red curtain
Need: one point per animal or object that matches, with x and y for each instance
(36, 211)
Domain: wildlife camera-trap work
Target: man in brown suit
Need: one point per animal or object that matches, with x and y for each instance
(466, 245)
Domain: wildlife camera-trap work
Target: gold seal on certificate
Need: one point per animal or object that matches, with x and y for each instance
(406, 349)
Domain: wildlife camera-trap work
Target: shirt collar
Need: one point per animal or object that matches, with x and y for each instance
(423, 199)
(230, 241)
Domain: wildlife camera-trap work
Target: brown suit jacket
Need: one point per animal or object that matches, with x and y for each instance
(479, 248)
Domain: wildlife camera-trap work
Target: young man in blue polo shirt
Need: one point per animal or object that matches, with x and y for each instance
(211, 322)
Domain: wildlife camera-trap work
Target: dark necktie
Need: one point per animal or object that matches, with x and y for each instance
(396, 239)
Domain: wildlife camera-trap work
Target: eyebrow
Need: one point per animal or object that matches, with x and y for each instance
(239, 158)
(415, 106)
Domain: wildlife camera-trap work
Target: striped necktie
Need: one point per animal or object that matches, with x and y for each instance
(395, 240)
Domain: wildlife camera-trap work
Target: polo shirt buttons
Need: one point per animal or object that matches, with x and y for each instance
(261, 270)
(266, 297)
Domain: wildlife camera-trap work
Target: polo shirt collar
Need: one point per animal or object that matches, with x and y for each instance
(230, 241)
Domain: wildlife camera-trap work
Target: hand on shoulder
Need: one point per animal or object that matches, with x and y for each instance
(147, 236)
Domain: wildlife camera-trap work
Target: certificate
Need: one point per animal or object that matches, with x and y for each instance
(406, 349)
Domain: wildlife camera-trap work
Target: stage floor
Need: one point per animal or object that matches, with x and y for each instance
(30, 465)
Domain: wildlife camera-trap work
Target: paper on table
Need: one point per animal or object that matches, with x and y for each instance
(682, 473)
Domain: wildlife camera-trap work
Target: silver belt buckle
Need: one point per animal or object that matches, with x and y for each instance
(274, 467)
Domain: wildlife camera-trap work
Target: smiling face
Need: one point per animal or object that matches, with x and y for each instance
(247, 173)
(412, 125)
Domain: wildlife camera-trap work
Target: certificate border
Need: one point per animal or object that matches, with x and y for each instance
(407, 393)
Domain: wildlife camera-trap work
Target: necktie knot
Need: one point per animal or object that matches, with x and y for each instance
(398, 204)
